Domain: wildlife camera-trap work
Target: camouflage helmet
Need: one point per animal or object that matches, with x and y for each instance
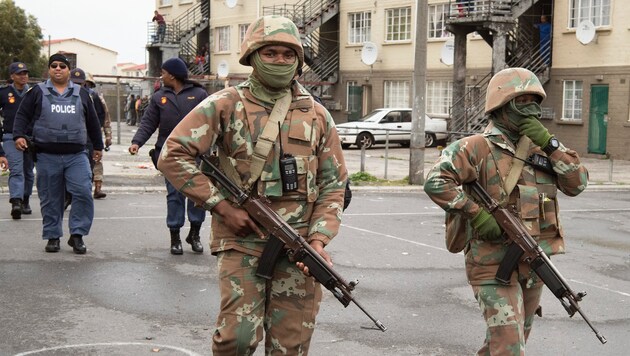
(271, 30)
(89, 78)
(510, 83)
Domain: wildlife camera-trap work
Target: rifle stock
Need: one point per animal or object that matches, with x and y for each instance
(283, 236)
(534, 255)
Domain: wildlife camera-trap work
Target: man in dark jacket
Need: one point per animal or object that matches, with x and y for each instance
(167, 107)
(63, 117)
(21, 178)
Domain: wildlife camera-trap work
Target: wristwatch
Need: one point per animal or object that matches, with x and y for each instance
(551, 146)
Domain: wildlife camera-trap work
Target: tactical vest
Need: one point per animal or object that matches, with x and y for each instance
(62, 119)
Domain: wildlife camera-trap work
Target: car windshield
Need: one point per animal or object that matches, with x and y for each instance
(374, 116)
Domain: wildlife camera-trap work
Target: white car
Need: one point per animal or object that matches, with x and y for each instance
(373, 127)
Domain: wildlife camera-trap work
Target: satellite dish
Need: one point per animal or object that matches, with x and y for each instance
(223, 69)
(369, 53)
(585, 32)
(230, 3)
(447, 56)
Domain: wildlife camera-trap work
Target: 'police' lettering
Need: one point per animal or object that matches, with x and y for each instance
(63, 109)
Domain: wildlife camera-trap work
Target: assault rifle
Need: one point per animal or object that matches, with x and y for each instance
(282, 236)
(524, 244)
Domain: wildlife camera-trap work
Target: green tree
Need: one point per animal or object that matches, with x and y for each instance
(20, 40)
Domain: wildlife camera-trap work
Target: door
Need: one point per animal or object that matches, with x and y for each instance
(355, 98)
(598, 119)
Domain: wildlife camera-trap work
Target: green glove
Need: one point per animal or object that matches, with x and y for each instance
(535, 130)
(486, 226)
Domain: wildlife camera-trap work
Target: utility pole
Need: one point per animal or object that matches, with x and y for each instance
(416, 147)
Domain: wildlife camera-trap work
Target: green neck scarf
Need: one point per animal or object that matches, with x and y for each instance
(269, 82)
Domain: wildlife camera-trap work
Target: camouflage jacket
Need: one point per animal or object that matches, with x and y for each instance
(488, 157)
(107, 122)
(233, 122)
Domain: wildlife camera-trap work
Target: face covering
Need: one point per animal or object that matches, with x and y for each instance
(270, 82)
(511, 116)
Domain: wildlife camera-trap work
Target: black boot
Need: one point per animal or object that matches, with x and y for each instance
(193, 237)
(77, 244)
(176, 243)
(16, 208)
(26, 207)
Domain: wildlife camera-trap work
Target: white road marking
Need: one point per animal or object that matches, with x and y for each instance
(397, 238)
(76, 346)
(600, 287)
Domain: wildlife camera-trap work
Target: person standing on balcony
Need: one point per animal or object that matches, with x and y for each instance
(544, 30)
(161, 30)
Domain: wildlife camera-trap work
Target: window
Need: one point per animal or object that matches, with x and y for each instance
(439, 97)
(437, 26)
(223, 39)
(598, 11)
(572, 100)
(242, 30)
(185, 2)
(396, 94)
(398, 24)
(165, 2)
(359, 25)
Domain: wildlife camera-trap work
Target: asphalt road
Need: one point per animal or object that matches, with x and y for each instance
(129, 296)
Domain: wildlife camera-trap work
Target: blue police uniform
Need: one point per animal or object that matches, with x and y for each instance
(166, 109)
(61, 126)
(21, 176)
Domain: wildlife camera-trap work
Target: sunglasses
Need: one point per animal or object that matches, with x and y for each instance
(60, 65)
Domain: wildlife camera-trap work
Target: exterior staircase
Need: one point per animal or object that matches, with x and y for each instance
(318, 23)
(183, 34)
(505, 26)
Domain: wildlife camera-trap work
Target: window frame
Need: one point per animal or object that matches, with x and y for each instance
(221, 41)
(576, 100)
(361, 34)
(432, 15)
(439, 94)
(397, 97)
(579, 10)
(402, 29)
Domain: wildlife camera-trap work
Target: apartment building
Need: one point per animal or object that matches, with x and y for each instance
(588, 84)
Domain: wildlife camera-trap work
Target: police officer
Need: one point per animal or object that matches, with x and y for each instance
(168, 106)
(63, 118)
(233, 119)
(495, 159)
(21, 177)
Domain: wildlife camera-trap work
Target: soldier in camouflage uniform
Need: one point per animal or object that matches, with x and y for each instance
(513, 103)
(233, 119)
(107, 130)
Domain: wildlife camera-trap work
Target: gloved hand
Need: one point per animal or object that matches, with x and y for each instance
(534, 129)
(486, 226)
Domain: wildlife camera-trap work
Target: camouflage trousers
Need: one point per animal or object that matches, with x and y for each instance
(98, 171)
(284, 307)
(509, 314)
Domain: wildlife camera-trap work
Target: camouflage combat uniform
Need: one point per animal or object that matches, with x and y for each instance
(232, 119)
(107, 130)
(487, 157)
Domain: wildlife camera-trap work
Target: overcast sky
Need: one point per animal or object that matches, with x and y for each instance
(118, 25)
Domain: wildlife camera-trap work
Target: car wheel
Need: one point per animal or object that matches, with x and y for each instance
(365, 139)
(345, 145)
(429, 140)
